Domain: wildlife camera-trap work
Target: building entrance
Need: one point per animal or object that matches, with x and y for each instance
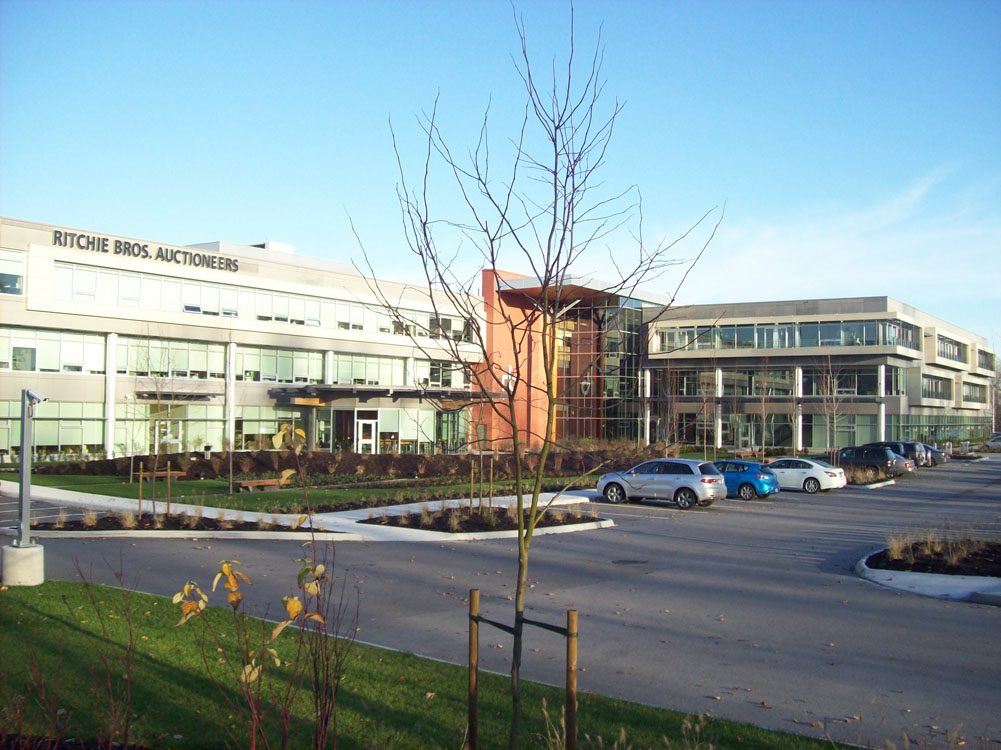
(366, 436)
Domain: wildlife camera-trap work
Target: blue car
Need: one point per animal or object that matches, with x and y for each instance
(747, 480)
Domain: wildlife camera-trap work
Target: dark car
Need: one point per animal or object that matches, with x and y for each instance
(873, 460)
(913, 451)
(747, 480)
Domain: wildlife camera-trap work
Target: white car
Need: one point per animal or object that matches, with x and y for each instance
(993, 444)
(807, 474)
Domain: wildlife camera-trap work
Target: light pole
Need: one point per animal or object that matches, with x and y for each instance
(24, 562)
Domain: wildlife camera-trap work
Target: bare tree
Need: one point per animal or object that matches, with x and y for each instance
(828, 378)
(544, 214)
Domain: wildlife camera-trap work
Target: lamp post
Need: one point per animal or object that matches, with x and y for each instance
(24, 562)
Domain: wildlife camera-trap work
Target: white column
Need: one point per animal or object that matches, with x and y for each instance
(719, 408)
(328, 367)
(646, 401)
(798, 396)
(110, 376)
(881, 393)
(231, 394)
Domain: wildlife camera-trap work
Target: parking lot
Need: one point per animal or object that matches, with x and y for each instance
(745, 610)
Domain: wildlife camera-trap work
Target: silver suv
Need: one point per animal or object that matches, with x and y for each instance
(686, 481)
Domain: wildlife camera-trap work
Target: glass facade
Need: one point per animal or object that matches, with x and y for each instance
(790, 335)
(599, 350)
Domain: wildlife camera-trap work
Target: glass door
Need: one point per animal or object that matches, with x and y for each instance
(366, 435)
(167, 435)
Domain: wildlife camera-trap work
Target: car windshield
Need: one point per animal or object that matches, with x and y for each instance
(708, 469)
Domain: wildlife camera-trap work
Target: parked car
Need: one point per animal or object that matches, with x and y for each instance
(936, 457)
(685, 481)
(903, 465)
(808, 474)
(872, 460)
(908, 449)
(993, 444)
(747, 480)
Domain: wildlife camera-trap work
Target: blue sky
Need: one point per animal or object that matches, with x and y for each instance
(856, 145)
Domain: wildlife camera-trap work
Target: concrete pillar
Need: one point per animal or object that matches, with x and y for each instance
(230, 409)
(646, 402)
(328, 367)
(23, 565)
(110, 381)
(798, 397)
(881, 393)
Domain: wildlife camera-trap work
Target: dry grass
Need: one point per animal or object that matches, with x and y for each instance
(90, 518)
(265, 523)
(127, 519)
(953, 546)
(157, 521)
(191, 519)
(60, 521)
(425, 515)
(455, 520)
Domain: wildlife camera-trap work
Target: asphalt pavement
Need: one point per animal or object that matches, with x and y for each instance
(749, 611)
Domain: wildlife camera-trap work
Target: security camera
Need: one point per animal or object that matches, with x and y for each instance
(34, 396)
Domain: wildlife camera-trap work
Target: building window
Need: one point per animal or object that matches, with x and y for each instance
(951, 349)
(975, 392)
(985, 360)
(39, 350)
(939, 388)
(11, 272)
(266, 365)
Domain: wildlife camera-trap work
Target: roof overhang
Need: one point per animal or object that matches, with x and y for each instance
(583, 288)
(325, 395)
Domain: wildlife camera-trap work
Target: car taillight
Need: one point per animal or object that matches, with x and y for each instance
(761, 476)
(708, 480)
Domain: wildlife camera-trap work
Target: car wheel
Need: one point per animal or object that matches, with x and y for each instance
(746, 492)
(811, 485)
(685, 498)
(871, 473)
(614, 493)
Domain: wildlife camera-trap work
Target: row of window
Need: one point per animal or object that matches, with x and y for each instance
(128, 289)
(32, 350)
(820, 382)
(790, 335)
(951, 349)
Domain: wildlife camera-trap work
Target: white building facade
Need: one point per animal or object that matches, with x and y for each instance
(140, 343)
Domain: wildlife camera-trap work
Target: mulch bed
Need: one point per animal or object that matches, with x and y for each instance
(456, 520)
(983, 562)
(163, 523)
(437, 520)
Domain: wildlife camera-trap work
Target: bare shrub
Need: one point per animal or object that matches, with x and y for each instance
(455, 520)
(90, 518)
(425, 515)
(127, 519)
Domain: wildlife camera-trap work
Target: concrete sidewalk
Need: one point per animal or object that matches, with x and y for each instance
(346, 524)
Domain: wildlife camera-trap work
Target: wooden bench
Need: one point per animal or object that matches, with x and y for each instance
(749, 454)
(248, 485)
(151, 475)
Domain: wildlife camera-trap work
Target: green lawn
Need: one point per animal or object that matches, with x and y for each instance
(387, 699)
(214, 492)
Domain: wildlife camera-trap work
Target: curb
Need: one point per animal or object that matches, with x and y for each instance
(972, 589)
(304, 536)
(873, 486)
